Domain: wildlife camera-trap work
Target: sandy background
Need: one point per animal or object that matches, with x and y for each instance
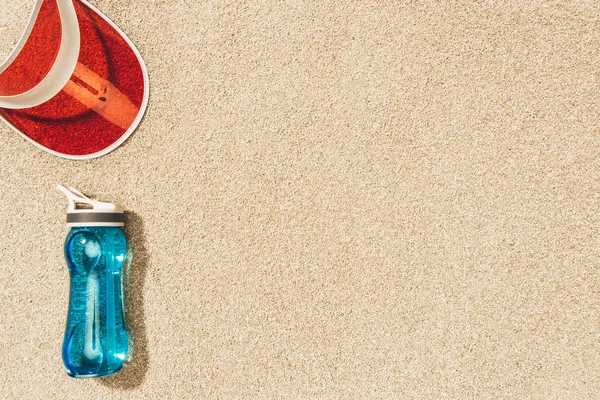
(332, 200)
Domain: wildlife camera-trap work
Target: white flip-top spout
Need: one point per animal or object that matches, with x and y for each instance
(78, 201)
(84, 211)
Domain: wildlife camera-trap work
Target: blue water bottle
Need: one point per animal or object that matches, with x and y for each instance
(95, 342)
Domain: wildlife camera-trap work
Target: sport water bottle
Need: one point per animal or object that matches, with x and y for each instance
(95, 342)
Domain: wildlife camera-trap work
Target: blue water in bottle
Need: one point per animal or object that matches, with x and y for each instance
(95, 342)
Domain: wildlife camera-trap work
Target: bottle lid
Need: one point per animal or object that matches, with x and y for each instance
(84, 211)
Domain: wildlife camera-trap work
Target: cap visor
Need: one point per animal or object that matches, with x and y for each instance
(102, 102)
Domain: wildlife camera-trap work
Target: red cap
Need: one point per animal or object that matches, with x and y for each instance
(75, 85)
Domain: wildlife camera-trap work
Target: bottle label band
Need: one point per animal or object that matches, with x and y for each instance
(91, 218)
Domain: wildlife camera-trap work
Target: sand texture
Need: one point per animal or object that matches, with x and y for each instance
(332, 199)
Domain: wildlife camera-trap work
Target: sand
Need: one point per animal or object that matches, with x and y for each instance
(331, 200)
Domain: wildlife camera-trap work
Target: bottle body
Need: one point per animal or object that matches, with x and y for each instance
(95, 342)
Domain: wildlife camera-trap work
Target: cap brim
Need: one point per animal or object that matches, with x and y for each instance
(102, 102)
